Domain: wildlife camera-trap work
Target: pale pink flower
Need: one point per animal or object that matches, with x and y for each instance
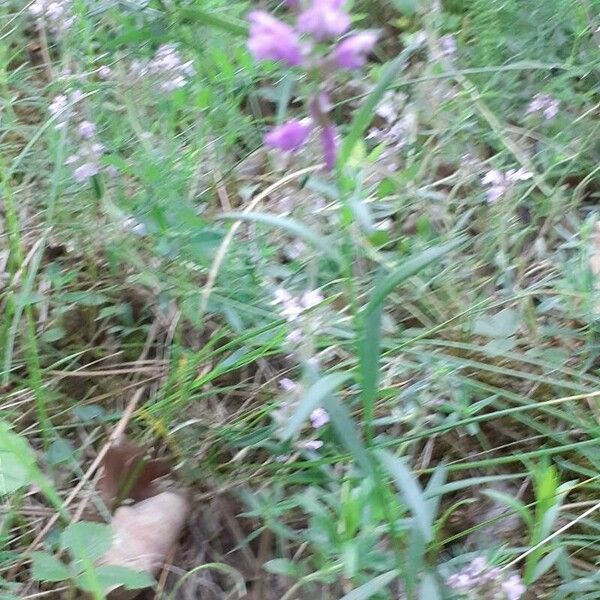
(545, 104)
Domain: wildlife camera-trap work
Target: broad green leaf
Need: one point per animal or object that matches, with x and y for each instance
(18, 467)
(410, 490)
(313, 398)
(407, 269)
(17, 461)
(45, 567)
(289, 226)
(60, 451)
(86, 541)
(368, 590)
(111, 575)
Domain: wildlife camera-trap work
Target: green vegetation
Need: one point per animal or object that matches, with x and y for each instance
(370, 381)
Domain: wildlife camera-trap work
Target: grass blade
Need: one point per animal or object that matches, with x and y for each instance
(368, 590)
(411, 492)
(409, 268)
(289, 226)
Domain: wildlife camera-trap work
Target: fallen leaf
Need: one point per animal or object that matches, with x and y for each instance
(126, 473)
(144, 533)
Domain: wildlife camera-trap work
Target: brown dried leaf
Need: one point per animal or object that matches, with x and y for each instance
(144, 532)
(126, 473)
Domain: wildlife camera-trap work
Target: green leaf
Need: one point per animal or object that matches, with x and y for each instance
(346, 430)
(17, 461)
(199, 16)
(60, 451)
(45, 567)
(407, 269)
(283, 566)
(86, 541)
(410, 490)
(115, 575)
(369, 354)
(289, 226)
(313, 398)
(368, 590)
(429, 588)
(546, 563)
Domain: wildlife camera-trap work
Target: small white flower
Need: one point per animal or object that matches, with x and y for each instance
(311, 444)
(86, 129)
(104, 72)
(287, 384)
(85, 171)
(311, 298)
(448, 45)
(545, 104)
(319, 417)
(513, 588)
(294, 337)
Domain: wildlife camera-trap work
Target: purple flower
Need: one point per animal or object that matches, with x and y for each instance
(352, 52)
(329, 145)
(271, 39)
(289, 136)
(292, 3)
(319, 417)
(324, 19)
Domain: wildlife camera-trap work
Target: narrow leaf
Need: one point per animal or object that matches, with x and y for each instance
(289, 226)
(409, 268)
(368, 590)
(347, 432)
(364, 115)
(410, 490)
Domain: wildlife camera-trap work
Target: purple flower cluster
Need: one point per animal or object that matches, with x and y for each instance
(67, 110)
(318, 23)
(478, 581)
